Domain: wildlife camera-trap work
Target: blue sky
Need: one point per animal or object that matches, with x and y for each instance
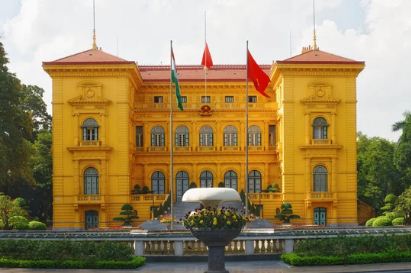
(375, 31)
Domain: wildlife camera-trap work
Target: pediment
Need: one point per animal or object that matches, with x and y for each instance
(91, 94)
(320, 93)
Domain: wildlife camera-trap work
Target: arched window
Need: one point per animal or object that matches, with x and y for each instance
(254, 181)
(230, 180)
(90, 130)
(320, 178)
(254, 136)
(206, 136)
(90, 181)
(182, 136)
(320, 127)
(230, 136)
(181, 184)
(206, 179)
(157, 136)
(157, 182)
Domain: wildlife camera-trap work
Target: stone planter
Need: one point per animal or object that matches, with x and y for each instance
(216, 240)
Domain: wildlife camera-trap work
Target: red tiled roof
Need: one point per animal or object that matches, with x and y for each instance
(196, 72)
(91, 56)
(318, 57)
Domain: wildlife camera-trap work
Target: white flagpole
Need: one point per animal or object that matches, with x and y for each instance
(246, 133)
(205, 44)
(171, 138)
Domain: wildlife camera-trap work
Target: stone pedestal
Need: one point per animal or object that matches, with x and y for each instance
(216, 240)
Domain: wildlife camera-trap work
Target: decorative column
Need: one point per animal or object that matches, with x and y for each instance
(307, 129)
(333, 139)
(76, 129)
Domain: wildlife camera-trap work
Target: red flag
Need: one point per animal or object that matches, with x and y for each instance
(207, 61)
(257, 75)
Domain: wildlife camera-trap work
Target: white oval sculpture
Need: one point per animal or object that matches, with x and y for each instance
(211, 197)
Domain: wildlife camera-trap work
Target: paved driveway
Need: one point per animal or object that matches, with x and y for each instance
(233, 267)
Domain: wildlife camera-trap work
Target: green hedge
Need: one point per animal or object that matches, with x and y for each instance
(76, 264)
(65, 250)
(357, 258)
(344, 246)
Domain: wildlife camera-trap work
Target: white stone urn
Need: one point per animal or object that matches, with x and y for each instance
(216, 239)
(211, 197)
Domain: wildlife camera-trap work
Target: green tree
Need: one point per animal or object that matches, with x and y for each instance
(377, 174)
(8, 209)
(286, 213)
(389, 203)
(402, 154)
(15, 129)
(129, 214)
(404, 205)
(40, 199)
(33, 104)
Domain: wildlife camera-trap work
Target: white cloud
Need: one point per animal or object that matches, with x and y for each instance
(140, 30)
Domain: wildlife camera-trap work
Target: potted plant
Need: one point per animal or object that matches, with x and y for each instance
(214, 226)
(286, 213)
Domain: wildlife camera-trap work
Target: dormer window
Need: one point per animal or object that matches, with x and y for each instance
(90, 130)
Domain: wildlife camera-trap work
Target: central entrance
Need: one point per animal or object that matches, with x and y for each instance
(181, 184)
(91, 219)
(320, 216)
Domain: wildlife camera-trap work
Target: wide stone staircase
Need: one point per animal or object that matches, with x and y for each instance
(180, 209)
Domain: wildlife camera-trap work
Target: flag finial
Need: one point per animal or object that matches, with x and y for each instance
(315, 46)
(94, 46)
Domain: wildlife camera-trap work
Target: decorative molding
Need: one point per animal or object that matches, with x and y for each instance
(320, 93)
(91, 94)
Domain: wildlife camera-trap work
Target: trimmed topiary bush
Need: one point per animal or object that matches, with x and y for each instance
(36, 225)
(392, 215)
(19, 222)
(370, 222)
(382, 221)
(398, 221)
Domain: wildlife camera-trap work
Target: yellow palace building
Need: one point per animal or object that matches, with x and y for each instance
(111, 136)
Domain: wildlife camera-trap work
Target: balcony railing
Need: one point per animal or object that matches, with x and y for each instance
(206, 148)
(182, 148)
(320, 141)
(256, 148)
(149, 197)
(230, 148)
(255, 197)
(89, 199)
(321, 195)
(157, 149)
(90, 143)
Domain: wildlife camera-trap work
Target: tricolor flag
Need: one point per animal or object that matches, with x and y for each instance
(174, 79)
(207, 61)
(257, 75)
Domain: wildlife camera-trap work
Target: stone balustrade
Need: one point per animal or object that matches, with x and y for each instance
(182, 243)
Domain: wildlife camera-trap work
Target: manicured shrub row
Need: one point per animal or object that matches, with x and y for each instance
(358, 258)
(389, 219)
(344, 246)
(77, 264)
(65, 250)
(21, 223)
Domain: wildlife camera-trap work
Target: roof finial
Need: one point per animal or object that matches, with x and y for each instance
(94, 26)
(315, 46)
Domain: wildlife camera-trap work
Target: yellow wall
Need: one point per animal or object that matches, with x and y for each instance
(305, 92)
(117, 98)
